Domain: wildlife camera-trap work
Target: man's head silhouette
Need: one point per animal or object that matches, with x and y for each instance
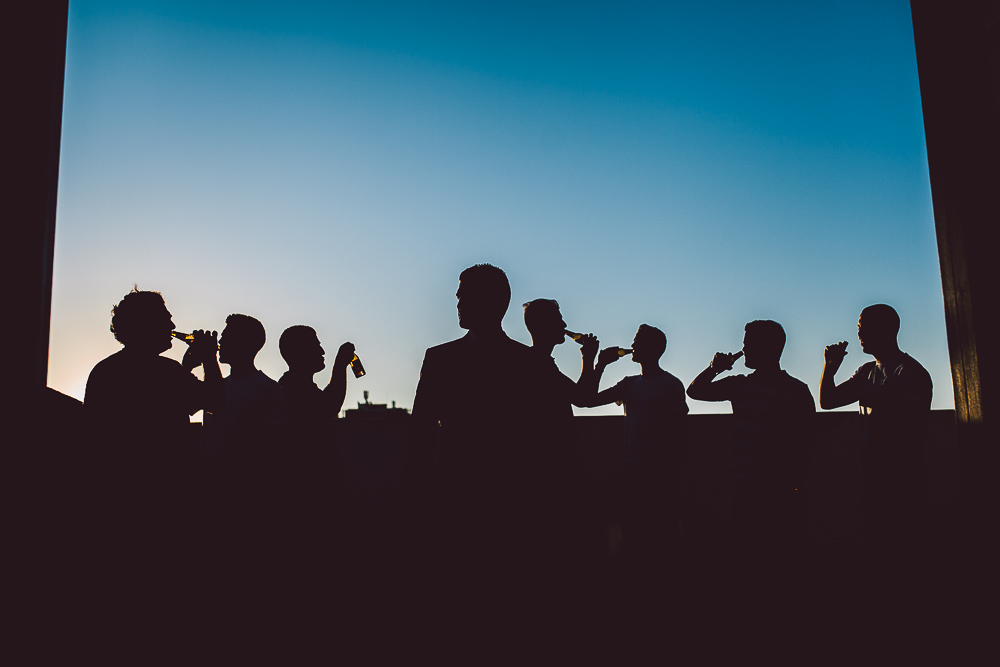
(483, 297)
(763, 343)
(141, 322)
(878, 327)
(241, 340)
(300, 348)
(544, 322)
(648, 345)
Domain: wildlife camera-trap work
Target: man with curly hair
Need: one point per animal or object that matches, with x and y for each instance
(139, 403)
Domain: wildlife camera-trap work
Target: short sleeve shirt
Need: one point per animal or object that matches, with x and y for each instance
(895, 403)
(654, 408)
(772, 423)
(150, 392)
(252, 403)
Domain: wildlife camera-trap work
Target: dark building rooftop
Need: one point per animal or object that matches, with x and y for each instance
(368, 410)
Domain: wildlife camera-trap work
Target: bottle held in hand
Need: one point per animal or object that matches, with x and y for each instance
(356, 366)
(186, 337)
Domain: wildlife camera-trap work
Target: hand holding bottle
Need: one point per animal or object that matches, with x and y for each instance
(834, 355)
(356, 367)
(344, 356)
(611, 354)
(202, 347)
(588, 344)
(723, 361)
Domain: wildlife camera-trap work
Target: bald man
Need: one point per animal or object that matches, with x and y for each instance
(894, 395)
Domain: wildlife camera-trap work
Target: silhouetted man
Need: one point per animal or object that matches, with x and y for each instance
(139, 405)
(547, 328)
(140, 489)
(564, 492)
(772, 445)
(313, 454)
(557, 392)
(242, 438)
(305, 356)
(894, 394)
(469, 449)
(655, 449)
(469, 401)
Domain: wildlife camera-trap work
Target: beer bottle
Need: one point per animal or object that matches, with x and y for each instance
(356, 366)
(186, 337)
(572, 334)
(622, 352)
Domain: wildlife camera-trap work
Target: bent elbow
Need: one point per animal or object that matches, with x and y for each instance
(695, 392)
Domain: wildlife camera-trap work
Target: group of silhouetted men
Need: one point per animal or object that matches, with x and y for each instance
(494, 506)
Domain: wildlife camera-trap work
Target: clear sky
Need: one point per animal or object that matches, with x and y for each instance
(691, 165)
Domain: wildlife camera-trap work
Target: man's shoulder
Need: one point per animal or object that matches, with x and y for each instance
(105, 374)
(264, 383)
(166, 365)
(865, 369)
(292, 385)
(792, 382)
(503, 344)
(255, 384)
(799, 389)
(515, 348)
(109, 363)
(669, 380)
(675, 390)
(266, 379)
(123, 362)
(628, 381)
(911, 366)
(447, 348)
(290, 381)
(913, 375)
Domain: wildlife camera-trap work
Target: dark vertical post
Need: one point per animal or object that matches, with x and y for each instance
(34, 95)
(958, 59)
(39, 427)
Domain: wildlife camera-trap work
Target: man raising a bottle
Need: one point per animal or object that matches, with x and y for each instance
(242, 437)
(141, 458)
(547, 328)
(563, 490)
(139, 404)
(312, 448)
(772, 447)
(655, 449)
(894, 394)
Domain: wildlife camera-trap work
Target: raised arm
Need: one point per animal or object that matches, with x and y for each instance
(587, 384)
(832, 395)
(587, 394)
(336, 390)
(204, 351)
(702, 387)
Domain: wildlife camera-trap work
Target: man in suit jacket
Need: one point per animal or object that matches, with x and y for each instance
(468, 443)
(476, 475)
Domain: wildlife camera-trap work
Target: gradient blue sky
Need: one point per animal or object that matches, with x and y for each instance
(693, 166)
